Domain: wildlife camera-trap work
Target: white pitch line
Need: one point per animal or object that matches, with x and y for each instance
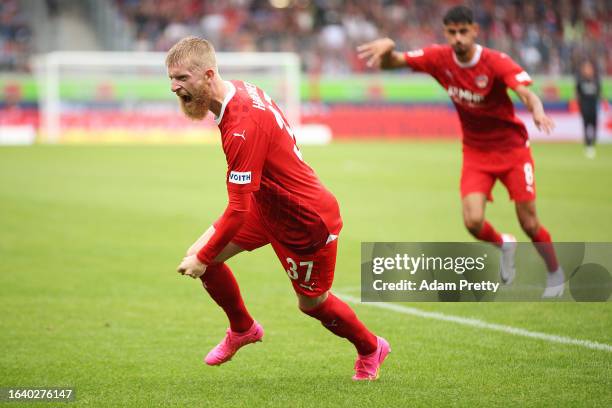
(466, 321)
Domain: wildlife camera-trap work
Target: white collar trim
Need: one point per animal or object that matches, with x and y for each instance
(228, 96)
(474, 59)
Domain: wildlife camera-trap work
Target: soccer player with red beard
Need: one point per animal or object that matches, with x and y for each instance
(274, 198)
(495, 141)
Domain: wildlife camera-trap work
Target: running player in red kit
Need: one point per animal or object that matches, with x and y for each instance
(274, 198)
(495, 141)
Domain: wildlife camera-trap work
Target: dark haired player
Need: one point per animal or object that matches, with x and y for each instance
(495, 141)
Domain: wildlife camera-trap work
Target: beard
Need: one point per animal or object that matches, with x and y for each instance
(460, 50)
(195, 105)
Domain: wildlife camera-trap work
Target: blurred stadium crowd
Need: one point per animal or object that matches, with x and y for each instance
(547, 36)
(15, 36)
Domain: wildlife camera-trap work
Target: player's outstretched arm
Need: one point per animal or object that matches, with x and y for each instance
(534, 105)
(381, 54)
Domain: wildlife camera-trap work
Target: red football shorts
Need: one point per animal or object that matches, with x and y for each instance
(310, 274)
(514, 168)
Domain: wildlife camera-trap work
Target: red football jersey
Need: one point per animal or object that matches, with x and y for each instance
(263, 158)
(478, 90)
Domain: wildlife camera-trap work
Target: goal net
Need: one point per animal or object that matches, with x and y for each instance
(125, 97)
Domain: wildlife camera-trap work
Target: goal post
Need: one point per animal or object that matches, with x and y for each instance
(119, 97)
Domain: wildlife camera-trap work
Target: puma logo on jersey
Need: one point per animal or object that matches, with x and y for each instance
(240, 134)
(240, 177)
(307, 287)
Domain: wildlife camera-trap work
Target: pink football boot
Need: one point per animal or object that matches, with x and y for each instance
(368, 367)
(232, 342)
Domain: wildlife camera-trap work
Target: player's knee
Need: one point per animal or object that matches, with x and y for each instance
(473, 222)
(306, 304)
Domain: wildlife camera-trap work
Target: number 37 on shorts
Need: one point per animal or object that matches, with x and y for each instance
(310, 274)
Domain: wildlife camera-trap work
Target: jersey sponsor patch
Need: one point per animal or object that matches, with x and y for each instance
(240, 177)
(523, 77)
(464, 95)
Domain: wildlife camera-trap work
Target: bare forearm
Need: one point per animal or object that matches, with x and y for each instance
(392, 60)
(533, 103)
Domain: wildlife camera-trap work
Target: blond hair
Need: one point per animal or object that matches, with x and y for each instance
(194, 52)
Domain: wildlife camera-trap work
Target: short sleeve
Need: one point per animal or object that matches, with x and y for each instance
(422, 60)
(245, 147)
(511, 73)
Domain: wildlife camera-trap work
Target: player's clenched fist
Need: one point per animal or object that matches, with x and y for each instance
(374, 51)
(191, 266)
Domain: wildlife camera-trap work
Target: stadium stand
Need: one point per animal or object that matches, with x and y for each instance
(15, 37)
(547, 37)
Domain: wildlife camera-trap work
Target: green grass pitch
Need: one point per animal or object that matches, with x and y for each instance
(90, 238)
